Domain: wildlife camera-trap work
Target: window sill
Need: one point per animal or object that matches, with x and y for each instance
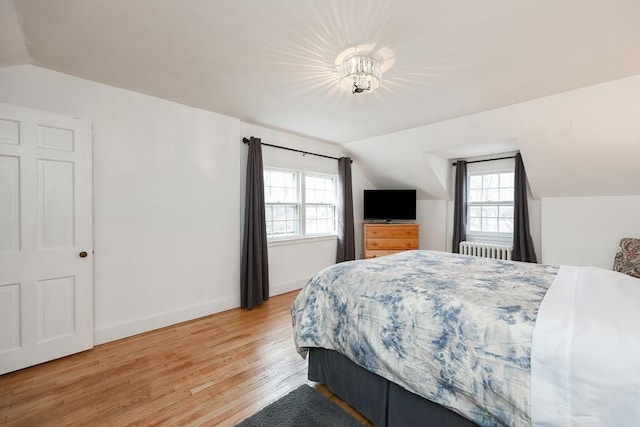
(490, 238)
(301, 241)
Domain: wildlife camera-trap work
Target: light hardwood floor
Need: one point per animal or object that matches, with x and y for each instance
(216, 370)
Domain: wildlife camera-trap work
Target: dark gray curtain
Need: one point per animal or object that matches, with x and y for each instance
(460, 207)
(254, 273)
(522, 242)
(346, 239)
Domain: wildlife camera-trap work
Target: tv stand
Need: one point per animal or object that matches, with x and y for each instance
(385, 239)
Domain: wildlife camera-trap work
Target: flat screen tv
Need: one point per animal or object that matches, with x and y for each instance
(389, 205)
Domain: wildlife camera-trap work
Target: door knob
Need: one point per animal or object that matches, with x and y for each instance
(82, 254)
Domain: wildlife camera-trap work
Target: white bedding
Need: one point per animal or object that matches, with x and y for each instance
(585, 361)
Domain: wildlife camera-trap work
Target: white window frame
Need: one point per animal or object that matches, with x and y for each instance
(487, 236)
(306, 204)
(302, 205)
(298, 204)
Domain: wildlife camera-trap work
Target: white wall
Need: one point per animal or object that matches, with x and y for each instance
(586, 230)
(432, 217)
(166, 200)
(293, 263)
(168, 204)
(584, 142)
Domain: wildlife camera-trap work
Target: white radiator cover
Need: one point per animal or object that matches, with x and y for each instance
(486, 250)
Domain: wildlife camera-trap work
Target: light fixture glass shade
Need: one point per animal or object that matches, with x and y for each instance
(359, 74)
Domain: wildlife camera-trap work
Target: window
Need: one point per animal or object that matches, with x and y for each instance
(320, 204)
(299, 204)
(282, 198)
(490, 206)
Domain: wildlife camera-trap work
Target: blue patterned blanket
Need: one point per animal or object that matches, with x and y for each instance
(454, 329)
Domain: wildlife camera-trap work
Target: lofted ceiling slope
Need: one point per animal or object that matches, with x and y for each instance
(557, 80)
(584, 142)
(272, 62)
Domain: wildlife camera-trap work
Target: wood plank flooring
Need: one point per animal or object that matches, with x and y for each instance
(216, 370)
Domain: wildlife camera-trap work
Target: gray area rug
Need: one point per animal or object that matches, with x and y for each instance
(304, 406)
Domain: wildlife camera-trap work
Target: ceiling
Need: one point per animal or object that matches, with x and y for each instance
(273, 62)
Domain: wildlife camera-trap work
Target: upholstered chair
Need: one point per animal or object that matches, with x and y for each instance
(627, 259)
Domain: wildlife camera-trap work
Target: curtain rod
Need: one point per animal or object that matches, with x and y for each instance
(487, 160)
(246, 141)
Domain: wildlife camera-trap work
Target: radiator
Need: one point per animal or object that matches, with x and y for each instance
(486, 250)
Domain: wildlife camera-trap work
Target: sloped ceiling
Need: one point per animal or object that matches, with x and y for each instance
(447, 66)
(272, 62)
(584, 142)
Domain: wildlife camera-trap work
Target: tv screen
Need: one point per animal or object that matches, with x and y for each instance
(390, 205)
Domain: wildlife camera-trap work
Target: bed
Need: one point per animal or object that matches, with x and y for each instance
(431, 338)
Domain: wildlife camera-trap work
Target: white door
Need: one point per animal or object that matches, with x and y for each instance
(46, 261)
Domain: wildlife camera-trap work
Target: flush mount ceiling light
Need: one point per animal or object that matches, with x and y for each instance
(359, 74)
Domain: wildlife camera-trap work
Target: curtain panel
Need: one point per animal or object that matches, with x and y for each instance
(254, 272)
(346, 237)
(522, 242)
(460, 207)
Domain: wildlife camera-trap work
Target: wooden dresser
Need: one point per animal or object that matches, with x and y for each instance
(385, 239)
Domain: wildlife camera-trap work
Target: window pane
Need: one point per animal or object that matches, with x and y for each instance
(489, 211)
(291, 195)
(277, 179)
(292, 212)
(331, 197)
(475, 182)
(311, 212)
(506, 179)
(505, 225)
(475, 195)
(323, 226)
(291, 180)
(491, 195)
(279, 227)
(490, 224)
(311, 227)
(282, 197)
(490, 181)
(490, 203)
(506, 211)
(506, 194)
(474, 224)
(277, 194)
(279, 212)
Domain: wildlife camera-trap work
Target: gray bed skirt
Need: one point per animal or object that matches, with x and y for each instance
(383, 402)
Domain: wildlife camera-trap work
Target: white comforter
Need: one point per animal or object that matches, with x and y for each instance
(585, 361)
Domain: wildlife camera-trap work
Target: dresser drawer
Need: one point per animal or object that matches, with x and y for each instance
(384, 230)
(377, 254)
(386, 239)
(392, 243)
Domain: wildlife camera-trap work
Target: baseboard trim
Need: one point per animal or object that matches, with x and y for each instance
(137, 326)
(283, 288)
